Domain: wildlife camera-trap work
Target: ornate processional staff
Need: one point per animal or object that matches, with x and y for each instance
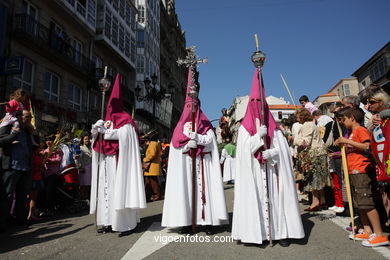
(191, 62)
(104, 85)
(258, 59)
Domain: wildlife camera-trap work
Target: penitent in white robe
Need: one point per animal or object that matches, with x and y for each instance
(229, 167)
(250, 215)
(177, 211)
(121, 191)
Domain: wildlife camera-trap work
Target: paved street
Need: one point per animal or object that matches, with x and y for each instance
(74, 237)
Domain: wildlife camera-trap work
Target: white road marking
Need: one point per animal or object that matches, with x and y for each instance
(155, 238)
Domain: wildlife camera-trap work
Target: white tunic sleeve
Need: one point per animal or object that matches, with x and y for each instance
(223, 155)
(255, 143)
(111, 134)
(206, 139)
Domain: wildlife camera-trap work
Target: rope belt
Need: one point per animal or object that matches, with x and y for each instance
(202, 154)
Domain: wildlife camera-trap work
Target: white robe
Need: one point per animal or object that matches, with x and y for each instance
(177, 211)
(121, 185)
(229, 166)
(250, 214)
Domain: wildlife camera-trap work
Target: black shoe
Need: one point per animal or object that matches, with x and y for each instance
(125, 233)
(209, 230)
(284, 242)
(105, 229)
(185, 230)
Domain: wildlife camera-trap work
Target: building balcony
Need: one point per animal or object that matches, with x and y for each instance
(31, 32)
(84, 10)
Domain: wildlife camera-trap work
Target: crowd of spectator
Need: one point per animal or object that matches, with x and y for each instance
(360, 124)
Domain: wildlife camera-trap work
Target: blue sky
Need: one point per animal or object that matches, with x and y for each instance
(313, 43)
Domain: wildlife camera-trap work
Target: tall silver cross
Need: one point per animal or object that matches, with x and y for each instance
(192, 61)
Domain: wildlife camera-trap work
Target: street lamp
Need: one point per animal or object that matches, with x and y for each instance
(152, 93)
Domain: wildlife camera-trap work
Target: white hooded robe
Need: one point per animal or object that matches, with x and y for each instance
(121, 191)
(229, 166)
(177, 211)
(250, 215)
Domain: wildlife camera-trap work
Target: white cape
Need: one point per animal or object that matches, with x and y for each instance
(250, 215)
(121, 185)
(177, 210)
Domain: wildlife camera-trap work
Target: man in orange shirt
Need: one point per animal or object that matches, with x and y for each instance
(362, 178)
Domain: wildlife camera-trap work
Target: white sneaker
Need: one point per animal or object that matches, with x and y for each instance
(339, 209)
(332, 208)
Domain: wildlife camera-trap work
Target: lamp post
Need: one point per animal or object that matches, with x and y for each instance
(152, 93)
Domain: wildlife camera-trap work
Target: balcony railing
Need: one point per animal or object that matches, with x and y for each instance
(27, 27)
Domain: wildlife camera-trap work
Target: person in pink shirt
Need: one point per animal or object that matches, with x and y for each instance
(304, 100)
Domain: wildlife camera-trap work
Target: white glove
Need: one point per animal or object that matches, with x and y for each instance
(98, 124)
(192, 144)
(262, 131)
(102, 130)
(268, 154)
(193, 135)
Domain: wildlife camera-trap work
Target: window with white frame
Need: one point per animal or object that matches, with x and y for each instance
(346, 90)
(128, 13)
(32, 11)
(140, 64)
(114, 31)
(140, 38)
(29, 9)
(132, 19)
(78, 51)
(127, 44)
(141, 14)
(74, 97)
(26, 79)
(133, 50)
(121, 38)
(98, 62)
(52, 86)
(122, 8)
(92, 12)
(107, 23)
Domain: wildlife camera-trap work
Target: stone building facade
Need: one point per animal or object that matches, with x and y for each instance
(56, 50)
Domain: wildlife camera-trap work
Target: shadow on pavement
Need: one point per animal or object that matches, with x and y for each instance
(17, 237)
(307, 226)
